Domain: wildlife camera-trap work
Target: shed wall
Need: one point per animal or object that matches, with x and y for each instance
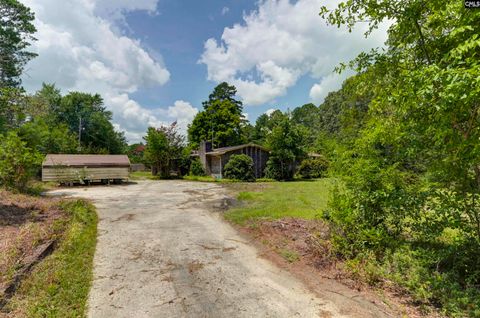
(259, 156)
(73, 174)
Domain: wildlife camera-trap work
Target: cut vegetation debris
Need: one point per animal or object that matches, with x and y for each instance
(46, 255)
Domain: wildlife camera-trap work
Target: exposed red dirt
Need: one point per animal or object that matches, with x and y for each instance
(315, 263)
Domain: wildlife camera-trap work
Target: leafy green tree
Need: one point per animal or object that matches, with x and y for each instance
(18, 163)
(240, 167)
(424, 114)
(308, 118)
(157, 152)
(45, 139)
(86, 115)
(264, 125)
(45, 103)
(135, 152)
(224, 92)
(414, 166)
(16, 35)
(163, 146)
(285, 143)
(221, 121)
(12, 108)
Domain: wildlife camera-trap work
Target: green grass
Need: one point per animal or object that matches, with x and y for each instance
(200, 178)
(302, 199)
(288, 255)
(59, 285)
(142, 175)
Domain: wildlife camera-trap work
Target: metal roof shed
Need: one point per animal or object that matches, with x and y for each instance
(80, 168)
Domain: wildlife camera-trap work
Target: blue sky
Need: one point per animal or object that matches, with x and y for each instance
(155, 61)
(179, 31)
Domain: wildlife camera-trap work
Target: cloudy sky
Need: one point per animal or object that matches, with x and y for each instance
(155, 61)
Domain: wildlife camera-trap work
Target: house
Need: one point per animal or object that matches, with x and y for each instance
(214, 160)
(85, 168)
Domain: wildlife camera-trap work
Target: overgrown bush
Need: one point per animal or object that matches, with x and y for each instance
(285, 143)
(18, 163)
(279, 170)
(196, 168)
(240, 167)
(313, 168)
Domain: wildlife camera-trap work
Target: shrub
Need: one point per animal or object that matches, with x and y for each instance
(313, 168)
(196, 168)
(240, 167)
(279, 169)
(18, 163)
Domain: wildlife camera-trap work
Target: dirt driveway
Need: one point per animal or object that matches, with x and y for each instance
(164, 251)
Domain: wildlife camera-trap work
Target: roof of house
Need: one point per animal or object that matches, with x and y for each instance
(86, 160)
(224, 150)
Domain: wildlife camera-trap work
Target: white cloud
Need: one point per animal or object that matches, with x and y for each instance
(279, 43)
(225, 10)
(270, 111)
(80, 48)
(183, 113)
(329, 83)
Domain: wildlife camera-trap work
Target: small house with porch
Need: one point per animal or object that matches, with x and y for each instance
(214, 160)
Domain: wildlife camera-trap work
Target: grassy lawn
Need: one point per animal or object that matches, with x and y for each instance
(58, 286)
(142, 175)
(301, 199)
(201, 178)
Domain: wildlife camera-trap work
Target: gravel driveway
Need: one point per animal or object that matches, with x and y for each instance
(164, 251)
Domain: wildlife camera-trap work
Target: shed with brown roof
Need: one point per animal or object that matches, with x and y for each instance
(68, 168)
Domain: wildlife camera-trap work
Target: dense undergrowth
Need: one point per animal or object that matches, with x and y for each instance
(434, 274)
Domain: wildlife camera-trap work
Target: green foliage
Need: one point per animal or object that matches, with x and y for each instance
(265, 124)
(411, 168)
(163, 146)
(240, 167)
(285, 143)
(196, 168)
(135, 152)
(46, 139)
(12, 108)
(156, 151)
(308, 118)
(221, 120)
(85, 114)
(18, 163)
(313, 168)
(16, 35)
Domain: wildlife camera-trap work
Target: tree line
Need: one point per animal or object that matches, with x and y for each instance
(401, 138)
(404, 139)
(32, 125)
